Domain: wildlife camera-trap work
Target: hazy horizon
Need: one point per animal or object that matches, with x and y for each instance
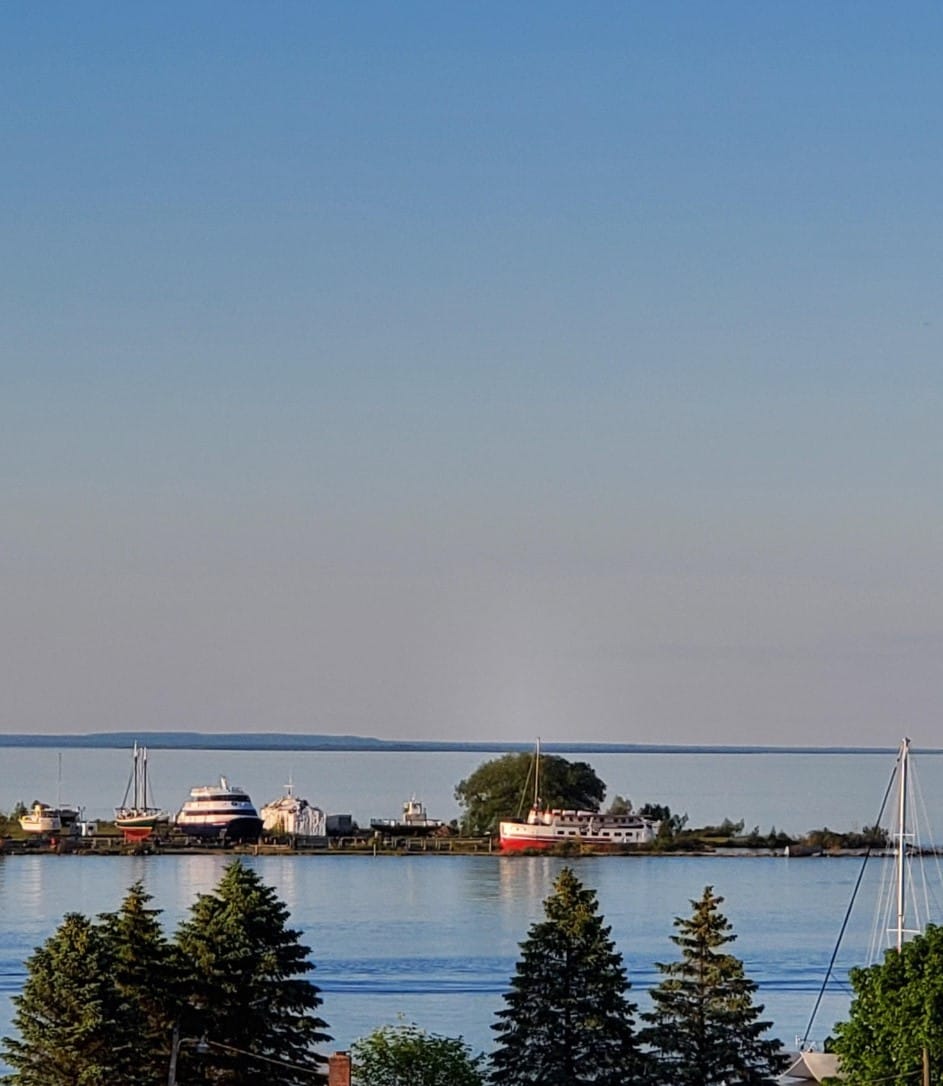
(472, 371)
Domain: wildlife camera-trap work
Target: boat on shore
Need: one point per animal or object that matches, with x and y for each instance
(44, 818)
(414, 820)
(220, 812)
(545, 828)
(139, 818)
(551, 827)
(292, 816)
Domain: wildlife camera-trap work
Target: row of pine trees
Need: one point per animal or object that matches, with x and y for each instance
(568, 1018)
(228, 1001)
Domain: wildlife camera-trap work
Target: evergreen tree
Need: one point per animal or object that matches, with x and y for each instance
(66, 1015)
(567, 1019)
(244, 974)
(704, 1027)
(895, 1015)
(143, 981)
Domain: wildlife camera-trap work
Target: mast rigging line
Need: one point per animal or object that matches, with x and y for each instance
(851, 904)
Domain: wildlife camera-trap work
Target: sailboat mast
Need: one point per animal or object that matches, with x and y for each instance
(144, 777)
(135, 771)
(537, 776)
(901, 842)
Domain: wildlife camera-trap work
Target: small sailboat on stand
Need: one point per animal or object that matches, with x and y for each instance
(44, 819)
(138, 819)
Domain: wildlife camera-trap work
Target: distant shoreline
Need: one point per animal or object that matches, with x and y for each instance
(286, 741)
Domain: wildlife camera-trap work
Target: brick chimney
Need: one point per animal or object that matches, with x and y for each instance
(338, 1069)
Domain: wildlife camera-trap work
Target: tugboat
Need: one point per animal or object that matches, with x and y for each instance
(414, 821)
(220, 812)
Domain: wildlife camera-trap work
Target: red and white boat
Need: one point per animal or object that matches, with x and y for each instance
(545, 828)
(138, 819)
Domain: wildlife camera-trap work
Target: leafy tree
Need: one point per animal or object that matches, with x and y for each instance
(66, 1015)
(243, 971)
(895, 1013)
(704, 1027)
(408, 1056)
(567, 1019)
(498, 788)
(143, 980)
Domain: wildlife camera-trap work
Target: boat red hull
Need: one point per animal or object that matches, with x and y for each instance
(528, 844)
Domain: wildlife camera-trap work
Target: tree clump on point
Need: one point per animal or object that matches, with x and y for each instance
(503, 787)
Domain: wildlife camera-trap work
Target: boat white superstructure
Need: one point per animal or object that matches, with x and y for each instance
(46, 818)
(41, 818)
(222, 812)
(545, 828)
(292, 816)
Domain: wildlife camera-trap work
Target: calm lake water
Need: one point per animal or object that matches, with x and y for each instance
(433, 939)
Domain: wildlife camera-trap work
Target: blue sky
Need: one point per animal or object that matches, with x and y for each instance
(472, 371)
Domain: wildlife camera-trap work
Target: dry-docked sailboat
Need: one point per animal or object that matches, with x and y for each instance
(139, 818)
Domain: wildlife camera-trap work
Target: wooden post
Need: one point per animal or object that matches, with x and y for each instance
(926, 1066)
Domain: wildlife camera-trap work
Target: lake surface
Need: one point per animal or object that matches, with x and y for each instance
(434, 939)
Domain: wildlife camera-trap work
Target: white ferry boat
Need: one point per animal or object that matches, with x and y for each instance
(221, 811)
(545, 828)
(549, 828)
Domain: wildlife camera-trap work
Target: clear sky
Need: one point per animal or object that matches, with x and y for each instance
(473, 371)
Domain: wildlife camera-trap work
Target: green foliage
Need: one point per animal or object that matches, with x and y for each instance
(500, 788)
(408, 1056)
(102, 1001)
(143, 981)
(704, 1027)
(567, 1019)
(895, 1012)
(67, 1014)
(243, 972)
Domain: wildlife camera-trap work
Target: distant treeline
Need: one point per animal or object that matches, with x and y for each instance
(288, 741)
